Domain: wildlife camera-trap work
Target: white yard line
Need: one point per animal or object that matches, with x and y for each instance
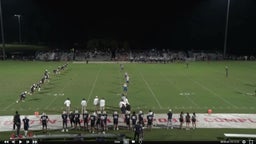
(191, 100)
(214, 93)
(61, 91)
(6, 108)
(53, 100)
(239, 90)
(94, 83)
(151, 91)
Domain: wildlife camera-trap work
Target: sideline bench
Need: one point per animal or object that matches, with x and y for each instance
(230, 135)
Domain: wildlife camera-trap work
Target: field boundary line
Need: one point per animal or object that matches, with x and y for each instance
(94, 83)
(153, 94)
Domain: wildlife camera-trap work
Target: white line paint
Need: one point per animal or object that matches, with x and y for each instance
(94, 83)
(177, 88)
(6, 108)
(151, 91)
(215, 94)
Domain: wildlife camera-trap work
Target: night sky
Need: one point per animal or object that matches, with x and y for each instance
(174, 25)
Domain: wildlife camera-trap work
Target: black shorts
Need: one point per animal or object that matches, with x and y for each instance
(44, 124)
(92, 124)
(115, 122)
(26, 128)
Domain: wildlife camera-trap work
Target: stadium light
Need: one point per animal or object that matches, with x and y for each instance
(17, 15)
(226, 30)
(2, 30)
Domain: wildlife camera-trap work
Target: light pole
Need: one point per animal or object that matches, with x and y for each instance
(17, 15)
(2, 30)
(226, 30)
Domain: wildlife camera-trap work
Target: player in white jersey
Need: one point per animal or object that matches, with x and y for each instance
(127, 79)
(125, 100)
(96, 103)
(125, 88)
(83, 104)
(125, 75)
(102, 104)
(67, 103)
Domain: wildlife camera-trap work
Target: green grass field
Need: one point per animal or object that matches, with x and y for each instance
(158, 87)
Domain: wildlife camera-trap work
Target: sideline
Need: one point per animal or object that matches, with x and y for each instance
(204, 120)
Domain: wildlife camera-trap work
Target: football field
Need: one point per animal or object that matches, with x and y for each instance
(157, 87)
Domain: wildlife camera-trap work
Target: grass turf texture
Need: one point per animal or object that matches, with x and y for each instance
(201, 86)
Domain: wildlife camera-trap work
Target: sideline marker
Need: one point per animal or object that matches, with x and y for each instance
(209, 111)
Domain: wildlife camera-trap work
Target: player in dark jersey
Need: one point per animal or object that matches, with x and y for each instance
(44, 120)
(77, 119)
(98, 120)
(32, 89)
(193, 121)
(26, 125)
(43, 80)
(103, 121)
(64, 117)
(150, 118)
(86, 119)
(181, 119)
(134, 119)
(115, 120)
(138, 132)
(38, 85)
(46, 75)
(17, 122)
(188, 120)
(169, 119)
(22, 97)
(127, 119)
(93, 120)
(141, 119)
(71, 118)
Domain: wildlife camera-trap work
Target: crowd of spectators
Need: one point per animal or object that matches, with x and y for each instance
(149, 56)
(135, 55)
